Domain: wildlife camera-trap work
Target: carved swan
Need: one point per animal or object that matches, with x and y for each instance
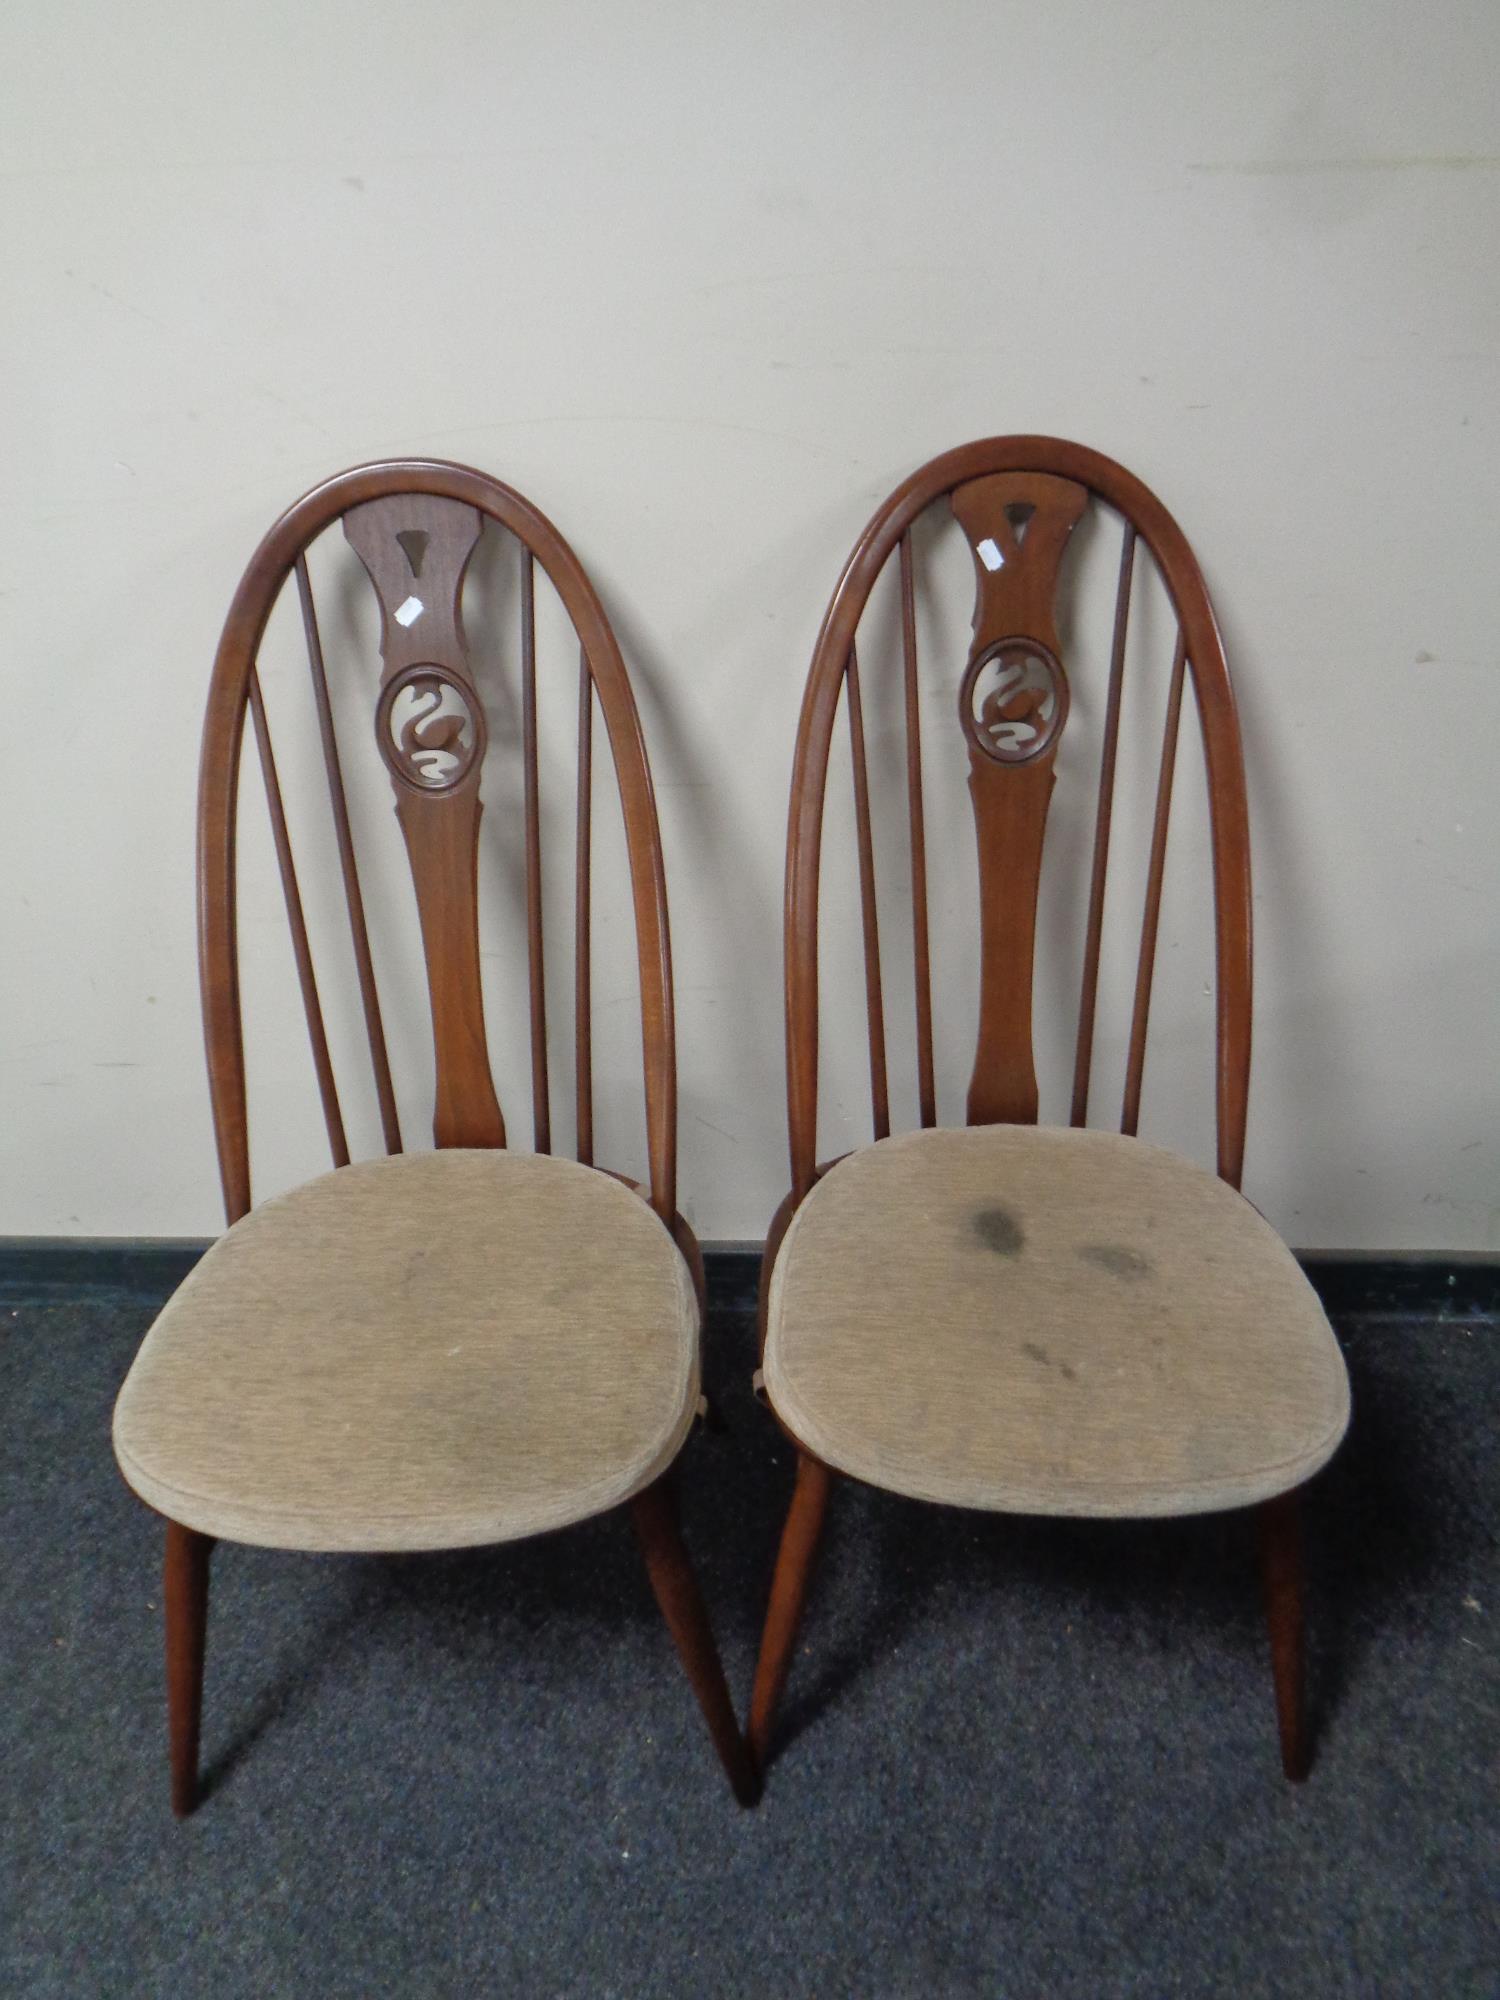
(427, 738)
(1011, 713)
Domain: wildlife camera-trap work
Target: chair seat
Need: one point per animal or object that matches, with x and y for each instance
(1051, 1322)
(430, 1351)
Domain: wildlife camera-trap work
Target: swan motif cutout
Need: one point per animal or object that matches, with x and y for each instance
(1013, 701)
(428, 730)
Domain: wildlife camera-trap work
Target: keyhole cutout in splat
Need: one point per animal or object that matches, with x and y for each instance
(1019, 513)
(413, 543)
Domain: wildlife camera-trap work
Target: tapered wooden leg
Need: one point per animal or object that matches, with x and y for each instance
(1281, 1576)
(655, 1515)
(185, 1593)
(794, 1564)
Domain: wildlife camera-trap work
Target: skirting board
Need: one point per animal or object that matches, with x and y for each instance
(1409, 1285)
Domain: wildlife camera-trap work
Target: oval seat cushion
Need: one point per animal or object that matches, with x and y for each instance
(1049, 1321)
(430, 1351)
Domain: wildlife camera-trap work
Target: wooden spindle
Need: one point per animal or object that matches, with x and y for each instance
(1146, 965)
(390, 1123)
(926, 1083)
(541, 1107)
(302, 952)
(582, 993)
(879, 1093)
(1088, 999)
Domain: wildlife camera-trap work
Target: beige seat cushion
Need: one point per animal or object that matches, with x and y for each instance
(1049, 1322)
(430, 1351)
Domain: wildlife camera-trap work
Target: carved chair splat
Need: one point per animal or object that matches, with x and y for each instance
(429, 725)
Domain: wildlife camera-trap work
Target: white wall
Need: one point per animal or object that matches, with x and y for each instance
(706, 282)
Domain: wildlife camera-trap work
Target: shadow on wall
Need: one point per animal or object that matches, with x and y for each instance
(1284, 878)
(1314, 1039)
(707, 836)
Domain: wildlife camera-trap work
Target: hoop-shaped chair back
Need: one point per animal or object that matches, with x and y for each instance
(414, 525)
(1017, 501)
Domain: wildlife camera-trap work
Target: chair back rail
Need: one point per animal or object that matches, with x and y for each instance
(1017, 501)
(414, 525)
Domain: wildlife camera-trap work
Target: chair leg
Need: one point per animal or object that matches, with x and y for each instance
(654, 1513)
(794, 1564)
(1282, 1580)
(185, 1593)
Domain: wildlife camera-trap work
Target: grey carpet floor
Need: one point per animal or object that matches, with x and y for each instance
(1018, 1757)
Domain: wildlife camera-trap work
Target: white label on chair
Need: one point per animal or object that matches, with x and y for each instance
(409, 612)
(988, 554)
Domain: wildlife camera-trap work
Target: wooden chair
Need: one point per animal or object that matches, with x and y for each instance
(440, 1349)
(1012, 1316)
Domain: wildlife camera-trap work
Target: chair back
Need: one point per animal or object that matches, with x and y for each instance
(415, 526)
(1017, 502)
